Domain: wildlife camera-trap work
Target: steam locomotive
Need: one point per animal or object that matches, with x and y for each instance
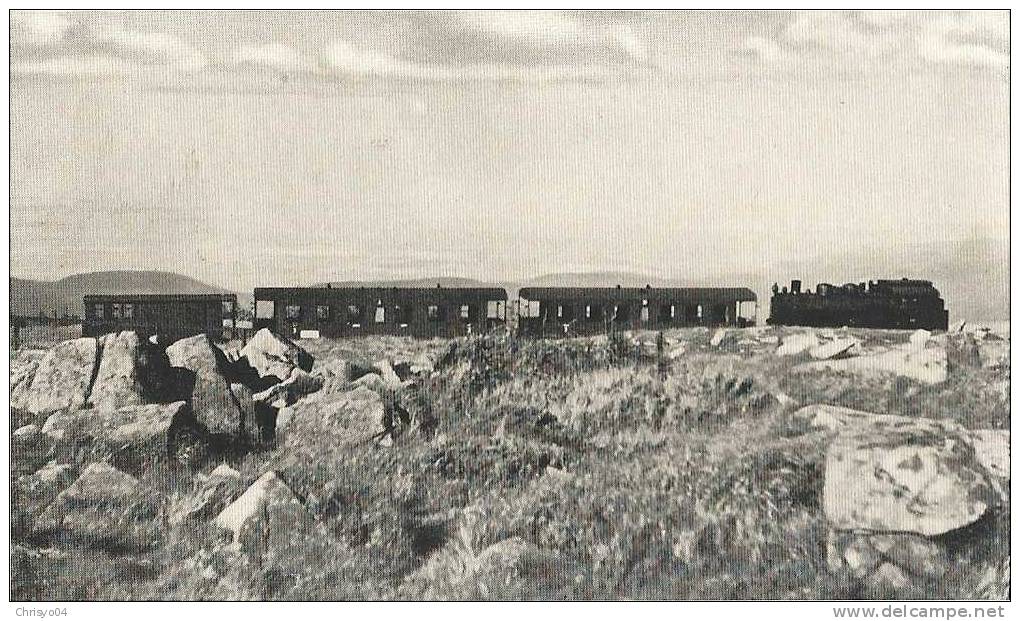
(892, 304)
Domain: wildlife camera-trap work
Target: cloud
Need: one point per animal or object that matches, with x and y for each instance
(972, 39)
(39, 27)
(345, 58)
(549, 37)
(432, 46)
(869, 40)
(54, 43)
(152, 48)
(278, 56)
(546, 28)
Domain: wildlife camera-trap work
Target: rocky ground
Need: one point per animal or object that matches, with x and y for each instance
(736, 464)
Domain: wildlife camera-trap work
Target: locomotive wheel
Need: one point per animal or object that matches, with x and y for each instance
(188, 447)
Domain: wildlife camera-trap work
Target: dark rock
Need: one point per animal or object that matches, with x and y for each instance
(214, 405)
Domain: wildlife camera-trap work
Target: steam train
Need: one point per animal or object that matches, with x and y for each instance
(891, 304)
(449, 311)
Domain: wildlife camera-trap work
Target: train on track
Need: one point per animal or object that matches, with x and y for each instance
(350, 310)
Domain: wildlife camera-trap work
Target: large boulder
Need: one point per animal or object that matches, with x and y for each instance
(838, 348)
(797, 343)
(258, 416)
(991, 447)
(927, 366)
(103, 505)
(906, 479)
(353, 417)
(133, 437)
(839, 419)
(57, 424)
(266, 517)
(37, 490)
(273, 355)
(26, 434)
(139, 436)
(64, 377)
(206, 387)
(123, 372)
(22, 374)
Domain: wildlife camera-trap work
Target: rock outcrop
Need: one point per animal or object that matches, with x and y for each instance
(265, 517)
(119, 377)
(212, 402)
(897, 489)
(797, 343)
(838, 348)
(359, 415)
(64, 377)
(272, 355)
(908, 480)
(22, 374)
(927, 366)
(101, 505)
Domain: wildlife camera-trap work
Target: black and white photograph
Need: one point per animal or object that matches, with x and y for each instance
(685, 306)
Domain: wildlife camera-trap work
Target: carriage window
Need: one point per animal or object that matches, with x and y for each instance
(672, 312)
(293, 311)
(465, 311)
(116, 311)
(99, 310)
(265, 309)
(530, 308)
(228, 307)
(353, 312)
(129, 311)
(701, 312)
(322, 312)
(433, 312)
(380, 314)
(587, 311)
(559, 311)
(494, 309)
(403, 314)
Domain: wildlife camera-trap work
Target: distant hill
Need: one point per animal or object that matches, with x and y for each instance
(596, 279)
(64, 296)
(443, 281)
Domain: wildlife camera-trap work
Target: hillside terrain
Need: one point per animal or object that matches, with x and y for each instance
(64, 297)
(691, 465)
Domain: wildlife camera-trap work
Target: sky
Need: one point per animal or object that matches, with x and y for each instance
(285, 148)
